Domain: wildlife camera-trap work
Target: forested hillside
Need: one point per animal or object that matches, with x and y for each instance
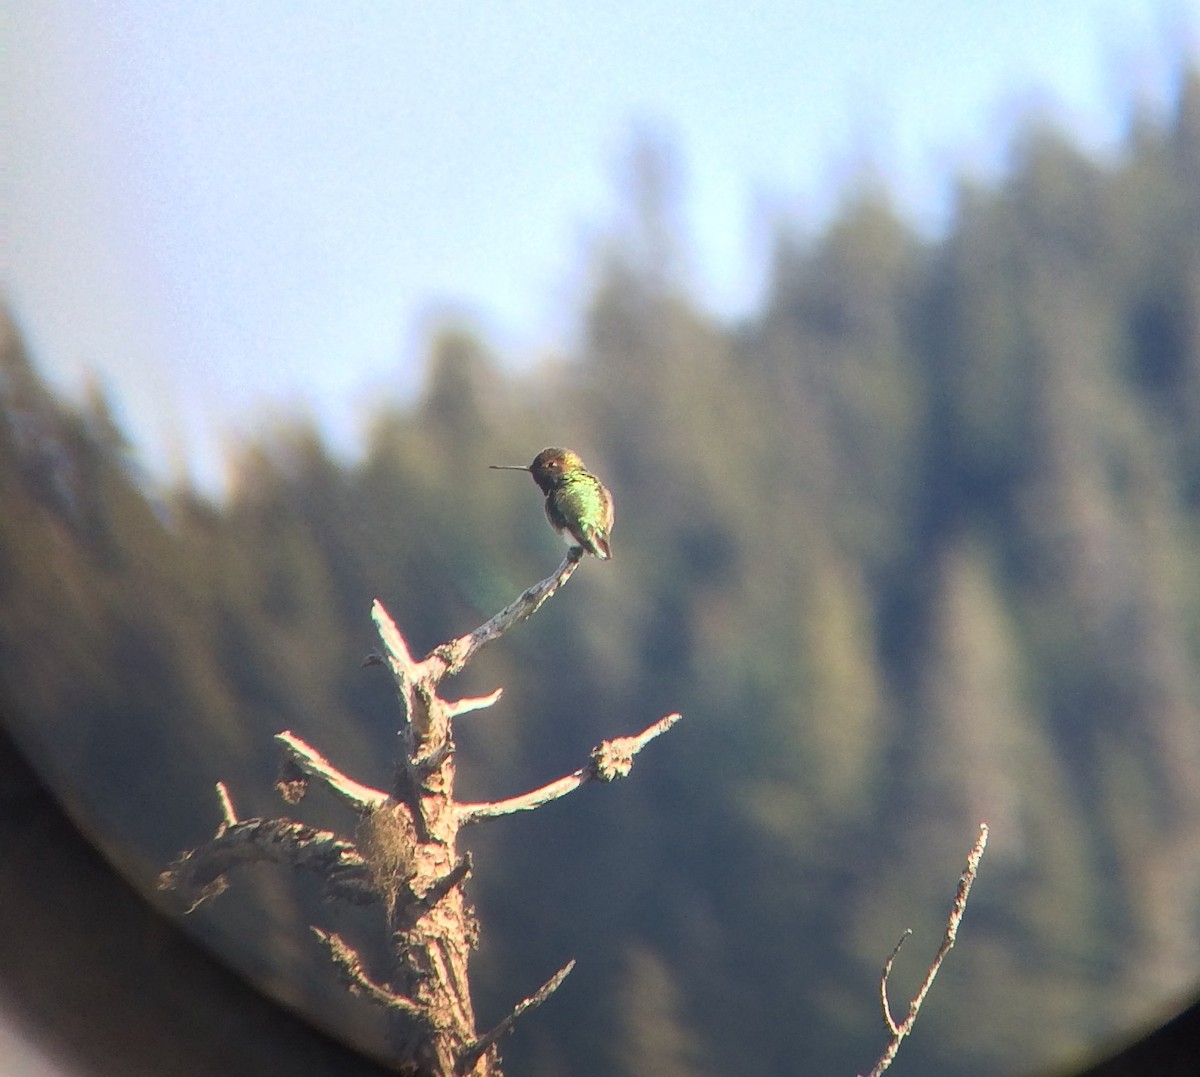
(914, 546)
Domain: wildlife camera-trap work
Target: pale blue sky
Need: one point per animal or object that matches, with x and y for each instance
(223, 203)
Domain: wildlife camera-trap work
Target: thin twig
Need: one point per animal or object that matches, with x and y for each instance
(612, 759)
(472, 1053)
(899, 1030)
(888, 1020)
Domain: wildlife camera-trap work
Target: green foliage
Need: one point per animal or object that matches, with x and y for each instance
(913, 547)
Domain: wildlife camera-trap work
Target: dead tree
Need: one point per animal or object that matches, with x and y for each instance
(404, 852)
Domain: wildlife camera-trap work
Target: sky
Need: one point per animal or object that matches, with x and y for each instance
(215, 208)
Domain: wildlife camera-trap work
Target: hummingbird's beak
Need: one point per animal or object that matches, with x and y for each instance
(507, 467)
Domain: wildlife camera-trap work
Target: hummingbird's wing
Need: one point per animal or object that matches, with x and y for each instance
(581, 511)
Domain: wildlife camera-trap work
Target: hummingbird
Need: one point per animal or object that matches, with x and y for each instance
(578, 505)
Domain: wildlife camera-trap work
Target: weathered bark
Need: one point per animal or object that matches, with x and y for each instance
(404, 854)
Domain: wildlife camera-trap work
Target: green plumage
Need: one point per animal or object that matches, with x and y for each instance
(578, 505)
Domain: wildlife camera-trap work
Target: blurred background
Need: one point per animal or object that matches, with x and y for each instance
(883, 326)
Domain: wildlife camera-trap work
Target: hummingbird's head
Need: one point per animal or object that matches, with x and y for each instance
(549, 467)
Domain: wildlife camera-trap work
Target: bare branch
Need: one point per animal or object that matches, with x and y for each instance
(199, 874)
(899, 1030)
(457, 653)
(611, 760)
(477, 703)
(474, 1051)
(397, 649)
(350, 968)
(308, 760)
(228, 815)
(419, 906)
(415, 683)
(535, 798)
